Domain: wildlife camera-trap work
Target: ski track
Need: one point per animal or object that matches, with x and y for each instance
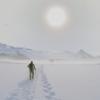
(47, 87)
(26, 90)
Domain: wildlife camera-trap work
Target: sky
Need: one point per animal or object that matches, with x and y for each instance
(23, 24)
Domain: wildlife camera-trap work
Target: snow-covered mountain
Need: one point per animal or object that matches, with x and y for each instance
(82, 54)
(66, 55)
(7, 51)
(14, 52)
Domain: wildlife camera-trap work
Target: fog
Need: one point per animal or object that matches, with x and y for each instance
(22, 24)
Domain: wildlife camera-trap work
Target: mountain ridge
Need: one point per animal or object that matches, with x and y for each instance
(7, 51)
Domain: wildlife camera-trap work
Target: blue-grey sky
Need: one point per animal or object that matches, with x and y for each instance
(22, 24)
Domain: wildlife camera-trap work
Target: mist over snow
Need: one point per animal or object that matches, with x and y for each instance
(11, 52)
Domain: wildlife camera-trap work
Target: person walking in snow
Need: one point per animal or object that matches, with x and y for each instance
(32, 69)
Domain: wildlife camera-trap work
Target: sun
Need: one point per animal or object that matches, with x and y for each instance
(56, 16)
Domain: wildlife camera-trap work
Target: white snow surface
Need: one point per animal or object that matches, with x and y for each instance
(68, 81)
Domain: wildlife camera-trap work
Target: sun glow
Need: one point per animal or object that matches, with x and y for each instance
(56, 17)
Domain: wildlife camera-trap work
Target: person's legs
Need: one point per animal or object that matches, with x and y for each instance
(32, 74)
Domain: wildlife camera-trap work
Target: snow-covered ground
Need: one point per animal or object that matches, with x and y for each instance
(75, 81)
(62, 81)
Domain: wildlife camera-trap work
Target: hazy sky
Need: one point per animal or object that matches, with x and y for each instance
(22, 24)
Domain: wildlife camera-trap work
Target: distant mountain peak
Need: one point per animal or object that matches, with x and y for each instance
(83, 54)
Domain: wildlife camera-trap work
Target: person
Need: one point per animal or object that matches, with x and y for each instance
(32, 68)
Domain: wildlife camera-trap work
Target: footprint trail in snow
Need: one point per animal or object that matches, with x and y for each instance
(37, 89)
(47, 87)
